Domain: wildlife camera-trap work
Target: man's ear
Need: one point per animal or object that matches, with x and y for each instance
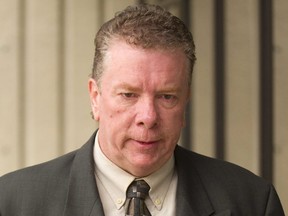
(94, 93)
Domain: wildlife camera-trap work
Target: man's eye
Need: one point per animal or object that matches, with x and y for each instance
(128, 95)
(168, 97)
(168, 100)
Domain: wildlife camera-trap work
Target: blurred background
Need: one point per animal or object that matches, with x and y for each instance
(239, 98)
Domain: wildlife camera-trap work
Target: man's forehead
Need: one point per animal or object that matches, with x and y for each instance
(116, 42)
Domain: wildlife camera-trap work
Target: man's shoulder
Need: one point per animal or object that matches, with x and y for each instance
(36, 185)
(44, 188)
(227, 185)
(38, 176)
(215, 170)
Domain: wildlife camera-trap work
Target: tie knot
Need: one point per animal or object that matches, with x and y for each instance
(138, 189)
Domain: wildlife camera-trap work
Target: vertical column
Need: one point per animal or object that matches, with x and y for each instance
(202, 92)
(220, 84)
(280, 99)
(266, 89)
(41, 81)
(242, 81)
(187, 133)
(10, 85)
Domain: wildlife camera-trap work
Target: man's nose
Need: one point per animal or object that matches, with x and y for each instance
(147, 114)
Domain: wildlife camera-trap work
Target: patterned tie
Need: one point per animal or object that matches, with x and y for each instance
(136, 194)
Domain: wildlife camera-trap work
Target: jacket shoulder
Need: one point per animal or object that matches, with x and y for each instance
(39, 185)
(228, 185)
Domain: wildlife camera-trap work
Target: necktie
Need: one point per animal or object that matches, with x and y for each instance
(136, 194)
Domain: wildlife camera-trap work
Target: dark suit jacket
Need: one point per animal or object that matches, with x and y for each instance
(66, 186)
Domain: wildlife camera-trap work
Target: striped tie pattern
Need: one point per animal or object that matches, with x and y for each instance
(136, 194)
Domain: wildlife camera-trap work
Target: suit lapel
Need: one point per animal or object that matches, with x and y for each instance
(192, 198)
(83, 197)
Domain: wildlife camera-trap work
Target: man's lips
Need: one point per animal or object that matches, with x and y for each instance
(150, 142)
(146, 143)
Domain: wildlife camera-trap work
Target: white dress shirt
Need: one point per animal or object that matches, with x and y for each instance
(112, 183)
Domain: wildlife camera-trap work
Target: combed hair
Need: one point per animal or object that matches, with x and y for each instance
(145, 26)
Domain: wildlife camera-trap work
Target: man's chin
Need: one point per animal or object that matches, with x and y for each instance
(144, 166)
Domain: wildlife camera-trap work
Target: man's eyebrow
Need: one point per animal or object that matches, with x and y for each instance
(170, 89)
(127, 87)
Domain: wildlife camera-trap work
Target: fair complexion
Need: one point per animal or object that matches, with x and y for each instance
(140, 106)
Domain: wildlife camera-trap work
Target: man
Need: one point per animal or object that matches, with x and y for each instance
(139, 88)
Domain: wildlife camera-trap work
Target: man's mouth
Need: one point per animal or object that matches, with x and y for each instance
(146, 142)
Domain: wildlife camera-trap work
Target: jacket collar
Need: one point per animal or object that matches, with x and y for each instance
(83, 197)
(192, 198)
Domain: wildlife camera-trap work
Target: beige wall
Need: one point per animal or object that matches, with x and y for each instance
(242, 85)
(46, 53)
(281, 99)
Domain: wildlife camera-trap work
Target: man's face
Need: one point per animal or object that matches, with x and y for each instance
(140, 106)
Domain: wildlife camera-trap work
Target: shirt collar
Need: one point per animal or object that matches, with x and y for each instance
(116, 180)
(159, 183)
